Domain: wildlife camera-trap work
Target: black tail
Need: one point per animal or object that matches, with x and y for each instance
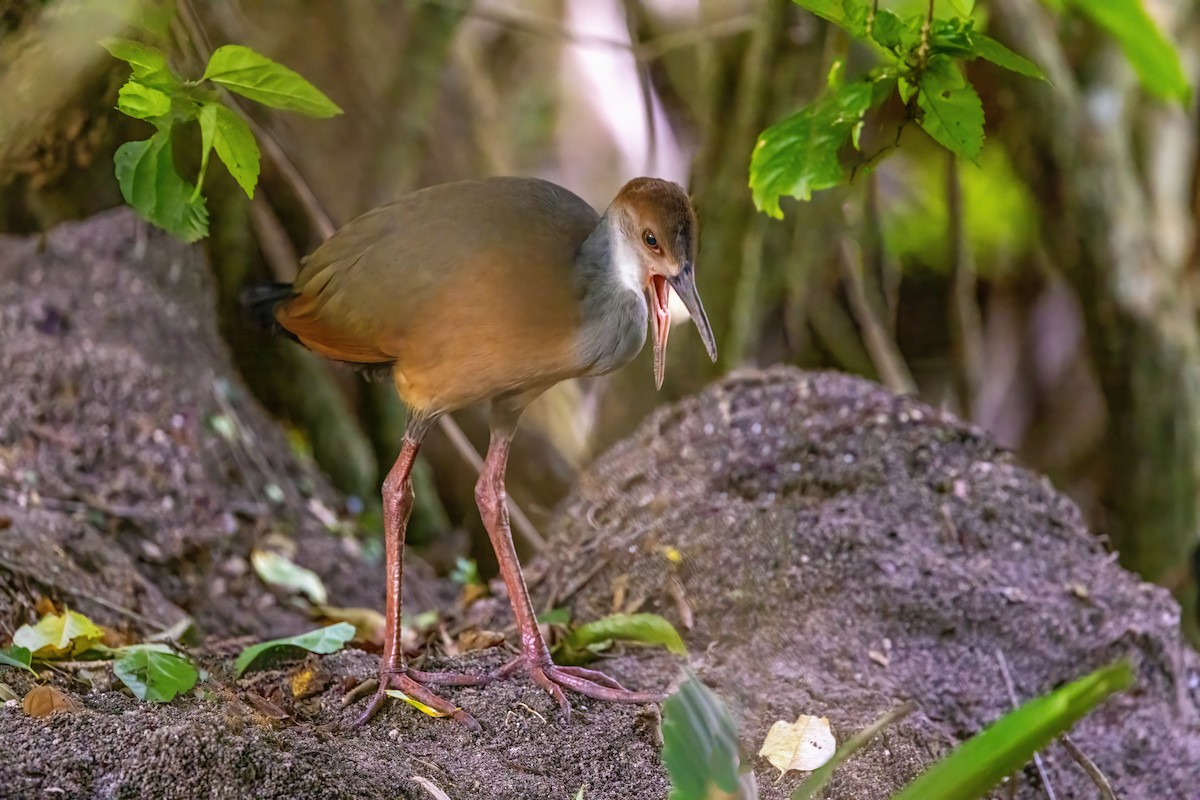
(259, 303)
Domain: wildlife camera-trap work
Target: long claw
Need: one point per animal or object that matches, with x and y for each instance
(595, 676)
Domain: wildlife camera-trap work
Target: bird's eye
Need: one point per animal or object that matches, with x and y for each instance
(648, 237)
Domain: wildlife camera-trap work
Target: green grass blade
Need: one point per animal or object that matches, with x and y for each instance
(1006, 745)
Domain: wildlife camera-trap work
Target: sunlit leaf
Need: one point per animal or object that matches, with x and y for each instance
(323, 640)
(152, 674)
(1153, 56)
(989, 49)
(848, 14)
(278, 570)
(799, 155)
(149, 63)
(143, 102)
(1002, 748)
(18, 657)
(149, 183)
(417, 704)
(953, 113)
(816, 782)
(239, 69)
(58, 635)
(802, 745)
(223, 130)
(700, 745)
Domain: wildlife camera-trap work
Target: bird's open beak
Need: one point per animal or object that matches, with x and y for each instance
(684, 285)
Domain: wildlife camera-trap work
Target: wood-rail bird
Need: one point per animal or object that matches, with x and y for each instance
(495, 290)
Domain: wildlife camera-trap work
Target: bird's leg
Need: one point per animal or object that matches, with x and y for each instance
(393, 673)
(535, 655)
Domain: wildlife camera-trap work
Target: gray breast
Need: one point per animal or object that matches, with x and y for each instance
(614, 332)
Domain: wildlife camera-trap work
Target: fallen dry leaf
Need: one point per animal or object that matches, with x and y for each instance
(42, 701)
(368, 623)
(476, 639)
(804, 744)
(308, 679)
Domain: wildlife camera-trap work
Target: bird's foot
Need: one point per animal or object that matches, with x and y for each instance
(411, 683)
(589, 682)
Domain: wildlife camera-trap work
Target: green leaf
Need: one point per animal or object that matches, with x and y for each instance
(1152, 55)
(952, 37)
(58, 635)
(241, 70)
(700, 745)
(18, 657)
(799, 155)
(989, 49)
(323, 640)
(963, 8)
(953, 113)
(143, 102)
(1006, 745)
(555, 616)
(226, 132)
(149, 183)
(890, 31)
(848, 14)
(149, 63)
(648, 628)
(153, 675)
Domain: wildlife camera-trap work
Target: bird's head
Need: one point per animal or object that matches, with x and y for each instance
(660, 229)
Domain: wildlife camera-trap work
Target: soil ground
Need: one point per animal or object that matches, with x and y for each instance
(830, 549)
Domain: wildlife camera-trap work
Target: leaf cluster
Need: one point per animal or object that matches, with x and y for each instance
(153, 671)
(919, 58)
(157, 94)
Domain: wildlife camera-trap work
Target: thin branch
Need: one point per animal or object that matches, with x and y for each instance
(881, 345)
(1089, 766)
(1012, 697)
(966, 320)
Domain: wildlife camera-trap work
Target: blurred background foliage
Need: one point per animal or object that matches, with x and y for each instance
(1047, 295)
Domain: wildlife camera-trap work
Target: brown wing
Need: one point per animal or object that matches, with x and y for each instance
(468, 287)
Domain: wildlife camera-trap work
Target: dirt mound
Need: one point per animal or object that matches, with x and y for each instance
(844, 550)
(835, 550)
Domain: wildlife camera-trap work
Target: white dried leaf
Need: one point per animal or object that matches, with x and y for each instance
(803, 745)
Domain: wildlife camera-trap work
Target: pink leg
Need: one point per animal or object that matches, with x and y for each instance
(535, 655)
(393, 673)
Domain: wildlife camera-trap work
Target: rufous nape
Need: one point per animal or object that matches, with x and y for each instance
(493, 290)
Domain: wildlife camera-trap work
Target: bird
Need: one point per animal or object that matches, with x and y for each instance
(491, 290)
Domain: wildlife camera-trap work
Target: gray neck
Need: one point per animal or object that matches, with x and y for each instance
(614, 311)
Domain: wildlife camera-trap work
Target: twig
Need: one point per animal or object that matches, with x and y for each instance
(1089, 766)
(1012, 697)
(966, 322)
(881, 345)
(430, 787)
